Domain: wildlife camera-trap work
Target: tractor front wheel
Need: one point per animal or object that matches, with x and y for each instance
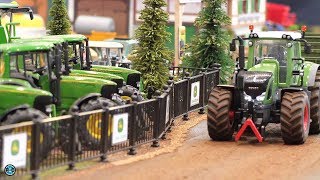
(89, 127)
(220, 115)
(47, 132)
(295, 117)
(314, 106)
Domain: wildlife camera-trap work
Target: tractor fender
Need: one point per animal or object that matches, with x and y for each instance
(11, 111)
(227, 87)
(294, 89)
(310, 71)
(85, 99)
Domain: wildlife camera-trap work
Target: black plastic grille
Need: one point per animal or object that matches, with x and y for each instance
(255, 83)
(133, 79)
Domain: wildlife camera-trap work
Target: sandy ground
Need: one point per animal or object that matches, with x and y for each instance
(193, 155)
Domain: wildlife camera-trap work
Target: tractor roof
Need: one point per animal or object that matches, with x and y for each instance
(278, 34)
(22, 47)
(105, 44)
(8, 5)
(71, 37)
(55, 40)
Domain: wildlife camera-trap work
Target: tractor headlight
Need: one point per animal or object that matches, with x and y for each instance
(250, 43)
(289, 45)
(48, 109)
(247, 97)
(261, 97)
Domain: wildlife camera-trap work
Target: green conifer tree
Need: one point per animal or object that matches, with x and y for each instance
(151, 57)
(210, 44)
(59, 22)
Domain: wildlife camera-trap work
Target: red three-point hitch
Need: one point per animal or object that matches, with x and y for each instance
(250, 123)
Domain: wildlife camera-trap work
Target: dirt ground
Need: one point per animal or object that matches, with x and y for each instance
(193, 155)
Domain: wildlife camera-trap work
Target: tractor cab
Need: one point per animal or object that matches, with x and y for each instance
(34, 63)
(81, 60)
(8, 31)
(108, 54)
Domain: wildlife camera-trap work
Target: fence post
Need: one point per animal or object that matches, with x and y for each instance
(156, 126)
(217, 66)
(104, 133)
(201, 111)
(171, 88)
(73, 137)
(35, 149)
(185, 115)
(133, 133)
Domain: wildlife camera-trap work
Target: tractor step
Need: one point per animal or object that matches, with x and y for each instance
(253, 127)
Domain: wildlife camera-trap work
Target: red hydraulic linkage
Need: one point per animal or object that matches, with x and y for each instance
(250, 123)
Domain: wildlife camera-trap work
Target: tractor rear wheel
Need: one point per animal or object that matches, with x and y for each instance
(89, 127)
(47, 132)
(295, 117)
(314, 106)
(220, 115)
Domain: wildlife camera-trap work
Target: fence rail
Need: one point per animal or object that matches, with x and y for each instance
(69, 139)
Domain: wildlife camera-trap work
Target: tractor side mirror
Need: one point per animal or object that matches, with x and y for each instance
(307, 48)
(31, 14)
(233, 46)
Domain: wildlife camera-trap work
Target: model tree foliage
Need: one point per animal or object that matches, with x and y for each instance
(151, 57)
(210, 45)
(59, 22)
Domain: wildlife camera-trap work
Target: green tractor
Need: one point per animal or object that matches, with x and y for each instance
(274, 85)
(36, 65)
(81, 59)
(128, 93)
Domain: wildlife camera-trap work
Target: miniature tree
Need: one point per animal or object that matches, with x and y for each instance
(59, 22)
(151, 57)
(210, 45)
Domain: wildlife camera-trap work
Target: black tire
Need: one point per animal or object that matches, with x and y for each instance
(220, 126)
(87, 136)
(131, 92)
(314, 106)
(46, 130)
(295, 117)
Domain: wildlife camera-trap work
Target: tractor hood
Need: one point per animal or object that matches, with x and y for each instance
(132, 77)
(15, 82)
(123, 72)
(100, 75)
(75, 87)
(260, 79)
(12, 96)
(255, 83)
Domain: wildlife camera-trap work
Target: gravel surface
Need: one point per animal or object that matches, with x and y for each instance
(193, 155)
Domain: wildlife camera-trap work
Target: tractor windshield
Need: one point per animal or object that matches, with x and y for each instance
(106, 56)
(24, 64)
(78, 55)
(275, 49)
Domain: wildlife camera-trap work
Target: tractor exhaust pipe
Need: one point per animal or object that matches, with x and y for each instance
(241, 53)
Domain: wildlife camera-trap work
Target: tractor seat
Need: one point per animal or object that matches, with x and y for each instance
(21, 76)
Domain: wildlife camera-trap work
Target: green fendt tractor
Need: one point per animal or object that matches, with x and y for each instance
(274, 85)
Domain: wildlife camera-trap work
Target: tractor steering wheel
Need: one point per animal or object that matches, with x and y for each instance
(40, 70)
(74, 60)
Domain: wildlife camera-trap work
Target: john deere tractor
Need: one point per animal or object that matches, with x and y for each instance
(274, 84)
(81, 59)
